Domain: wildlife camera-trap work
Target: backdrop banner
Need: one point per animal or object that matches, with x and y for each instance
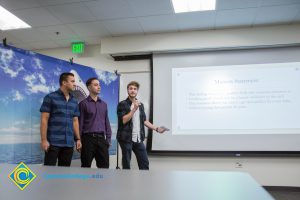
(25, 78)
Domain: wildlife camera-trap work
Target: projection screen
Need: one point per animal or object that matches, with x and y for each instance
(227, 101)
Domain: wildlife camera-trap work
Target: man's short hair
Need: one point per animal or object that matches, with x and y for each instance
(64, 77)
(90, 80)
(134, 83)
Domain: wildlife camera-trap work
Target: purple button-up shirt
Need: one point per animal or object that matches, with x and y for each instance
(94, 117)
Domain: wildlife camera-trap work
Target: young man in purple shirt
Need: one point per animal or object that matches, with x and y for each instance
(94, 127)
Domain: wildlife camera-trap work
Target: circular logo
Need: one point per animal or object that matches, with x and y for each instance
(21, 176)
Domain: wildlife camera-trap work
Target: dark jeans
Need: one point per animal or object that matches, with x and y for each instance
(94, 147)
(62, 154)
(140, 152)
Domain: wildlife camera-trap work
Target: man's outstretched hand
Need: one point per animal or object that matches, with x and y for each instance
(162, 129)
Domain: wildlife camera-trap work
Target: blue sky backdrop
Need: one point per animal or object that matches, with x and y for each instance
(26, 77)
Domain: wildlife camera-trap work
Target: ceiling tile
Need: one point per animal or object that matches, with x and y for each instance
(91, 40)
(233, 4)
(51, 31)
(19, 4)
(67, 42)
(76, 20)
(162, 23)
(236, 17)
(153, 7)
(278, 2)
(110, 9)
(58, 2)
(72, 13)
(43, 45)
(123, 26)
(196, 20)
(90, 29)
(37, 17)
(28, 35)
(297, 18)
(277, 14)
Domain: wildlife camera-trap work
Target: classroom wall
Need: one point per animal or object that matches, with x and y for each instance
(261, 36)
(267, 171)
(93, 58)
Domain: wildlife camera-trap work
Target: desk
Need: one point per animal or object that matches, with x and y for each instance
(59, 183)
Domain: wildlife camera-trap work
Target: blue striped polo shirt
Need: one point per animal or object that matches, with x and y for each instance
(60, 125)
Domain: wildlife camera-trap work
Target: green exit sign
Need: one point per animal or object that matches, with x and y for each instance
(78, 47)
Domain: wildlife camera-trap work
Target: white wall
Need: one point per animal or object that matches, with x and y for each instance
(204, 40)
(93, 58)
(267, 171)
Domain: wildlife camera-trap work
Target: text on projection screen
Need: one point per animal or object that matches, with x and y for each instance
(250, 99)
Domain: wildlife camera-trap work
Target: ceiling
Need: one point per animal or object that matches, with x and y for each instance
(89, 21)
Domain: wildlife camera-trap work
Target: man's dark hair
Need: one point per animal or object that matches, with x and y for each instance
(134, 83)
(64, 77)
(89, 82)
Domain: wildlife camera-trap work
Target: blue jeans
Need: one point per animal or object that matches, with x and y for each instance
(140, 152)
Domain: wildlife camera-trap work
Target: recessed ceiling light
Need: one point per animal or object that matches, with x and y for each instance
(9, 21)
(193, 5)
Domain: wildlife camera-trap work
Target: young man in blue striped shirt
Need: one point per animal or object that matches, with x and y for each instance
(59, 123)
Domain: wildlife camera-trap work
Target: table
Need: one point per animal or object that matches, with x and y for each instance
(60, 183)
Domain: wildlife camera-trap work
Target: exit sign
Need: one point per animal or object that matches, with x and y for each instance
(78, 47)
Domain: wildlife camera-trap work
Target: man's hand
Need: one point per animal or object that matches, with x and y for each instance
(129, 115)
(45, 145)
(136, 104)
(161, 129)
(78, 145)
